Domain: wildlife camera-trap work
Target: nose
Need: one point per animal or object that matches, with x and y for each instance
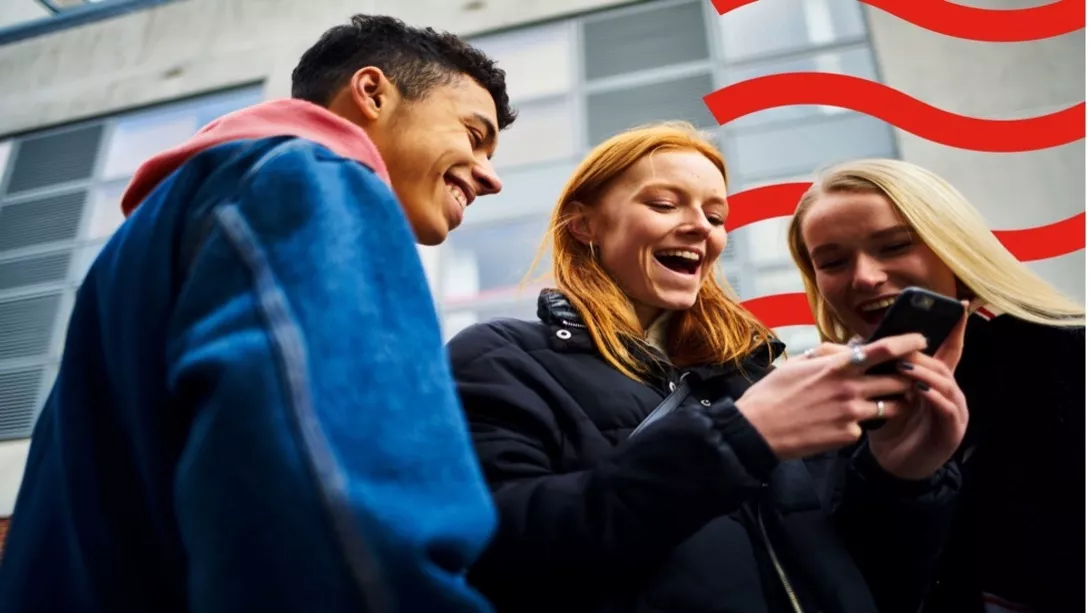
(697, 225)
(488, 182)
(868, 274)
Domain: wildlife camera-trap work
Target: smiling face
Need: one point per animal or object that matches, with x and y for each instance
(437, 149)
(864, 254)
(658, 229)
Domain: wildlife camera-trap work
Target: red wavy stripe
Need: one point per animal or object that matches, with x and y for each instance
(781, 310)
(960, 21)
(899, 109)
(763, 203)
(1045, 242)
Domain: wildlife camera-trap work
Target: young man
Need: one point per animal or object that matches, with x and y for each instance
(254, 411)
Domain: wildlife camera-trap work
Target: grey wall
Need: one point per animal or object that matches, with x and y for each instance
(192, 46)
(996, 81)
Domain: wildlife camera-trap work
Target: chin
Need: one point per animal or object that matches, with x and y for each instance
(676, 301)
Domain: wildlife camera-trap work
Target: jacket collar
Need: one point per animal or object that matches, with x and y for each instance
(555, 310)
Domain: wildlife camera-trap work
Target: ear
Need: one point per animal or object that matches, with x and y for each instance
(373, 94)
(581, 225)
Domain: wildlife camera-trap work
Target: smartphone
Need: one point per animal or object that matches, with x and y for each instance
(915, 310)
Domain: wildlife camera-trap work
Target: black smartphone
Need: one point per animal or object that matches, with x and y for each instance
(915, 310)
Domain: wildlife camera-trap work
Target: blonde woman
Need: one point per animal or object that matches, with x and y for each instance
(866, 230)
(610, 501)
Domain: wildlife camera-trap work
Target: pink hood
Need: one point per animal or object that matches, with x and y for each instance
(286, 117)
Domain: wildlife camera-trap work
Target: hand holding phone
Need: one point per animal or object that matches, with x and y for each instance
(916, 310)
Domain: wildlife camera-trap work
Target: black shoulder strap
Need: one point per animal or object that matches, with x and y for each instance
(667, 405)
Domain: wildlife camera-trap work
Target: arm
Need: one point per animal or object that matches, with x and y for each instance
(895, 529)
(593, 528)
(326, 465)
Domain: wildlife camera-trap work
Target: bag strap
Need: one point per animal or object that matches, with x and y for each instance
(666, 407)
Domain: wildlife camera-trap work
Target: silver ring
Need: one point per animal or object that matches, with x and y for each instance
(881, 409)
(809, 353)
(858, 356)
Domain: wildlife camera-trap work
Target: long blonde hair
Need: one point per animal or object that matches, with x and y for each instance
(951, 227)
(715, 330)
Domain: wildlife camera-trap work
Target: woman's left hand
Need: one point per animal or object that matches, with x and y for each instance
(919, 441)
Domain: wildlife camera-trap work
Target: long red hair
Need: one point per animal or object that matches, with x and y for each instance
(715, 330)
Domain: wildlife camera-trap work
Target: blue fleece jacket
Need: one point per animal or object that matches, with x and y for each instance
(254, 411)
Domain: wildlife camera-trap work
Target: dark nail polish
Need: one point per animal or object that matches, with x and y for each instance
(906, 365)
(923, 386)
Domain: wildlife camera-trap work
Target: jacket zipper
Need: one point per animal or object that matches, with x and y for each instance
(776, 562)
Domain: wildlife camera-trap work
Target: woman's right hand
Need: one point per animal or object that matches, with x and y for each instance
(814, 404)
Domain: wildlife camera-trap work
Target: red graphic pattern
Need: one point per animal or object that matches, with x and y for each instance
(899, 109)
(914, 116)
(960, 21)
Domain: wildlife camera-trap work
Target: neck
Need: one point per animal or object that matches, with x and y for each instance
(647, 315)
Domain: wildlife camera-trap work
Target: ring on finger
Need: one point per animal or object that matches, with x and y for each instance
(881, 409)
(809, 353)
(859, 357)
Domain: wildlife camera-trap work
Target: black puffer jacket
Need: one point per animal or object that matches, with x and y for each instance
(1019, 530)
(695, 513)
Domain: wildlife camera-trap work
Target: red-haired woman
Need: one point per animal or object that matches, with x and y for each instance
(644, 455)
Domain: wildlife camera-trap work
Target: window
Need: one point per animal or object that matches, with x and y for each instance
(578, 81)
(59, 203)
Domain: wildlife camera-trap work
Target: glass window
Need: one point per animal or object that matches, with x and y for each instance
(525, 308)
(538, 61)
(767, 241)
(491, 259)
(777, 26)
(772, 281)
(796, 149)
(798, 338)
(645, 39)
(137, 139)
(525, 191)
(857, 61)
(614, 111)
(85, 256)
(544, 131)
(106, 213)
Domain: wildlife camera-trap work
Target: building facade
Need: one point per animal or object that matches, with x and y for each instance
(83, 105)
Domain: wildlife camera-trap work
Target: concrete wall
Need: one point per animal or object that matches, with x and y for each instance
(996, 81)
(193, 46)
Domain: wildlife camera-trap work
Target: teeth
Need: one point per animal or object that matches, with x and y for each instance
(458, 194)
(688, 255)
(877, 304)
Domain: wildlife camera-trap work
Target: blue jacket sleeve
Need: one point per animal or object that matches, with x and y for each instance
(327, 466)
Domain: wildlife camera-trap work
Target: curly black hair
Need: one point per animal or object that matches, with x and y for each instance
(414, 59)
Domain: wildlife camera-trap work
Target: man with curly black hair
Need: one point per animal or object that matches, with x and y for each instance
(254, 411)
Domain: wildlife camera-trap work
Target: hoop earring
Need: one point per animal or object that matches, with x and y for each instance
(591, 245)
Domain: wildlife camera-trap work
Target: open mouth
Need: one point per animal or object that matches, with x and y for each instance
(680, 261)
(873, 311)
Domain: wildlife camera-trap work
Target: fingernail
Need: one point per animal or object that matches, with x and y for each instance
(923, 386)
(906, 365)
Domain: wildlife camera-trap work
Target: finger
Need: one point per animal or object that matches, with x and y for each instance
(947, 410)
(891, 408)
(929, 374)
(823, 350)
(950, 350)
(863, 357)
(876, 386)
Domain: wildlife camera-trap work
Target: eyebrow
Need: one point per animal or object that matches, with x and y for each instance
(890, 231)
(678, 191)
